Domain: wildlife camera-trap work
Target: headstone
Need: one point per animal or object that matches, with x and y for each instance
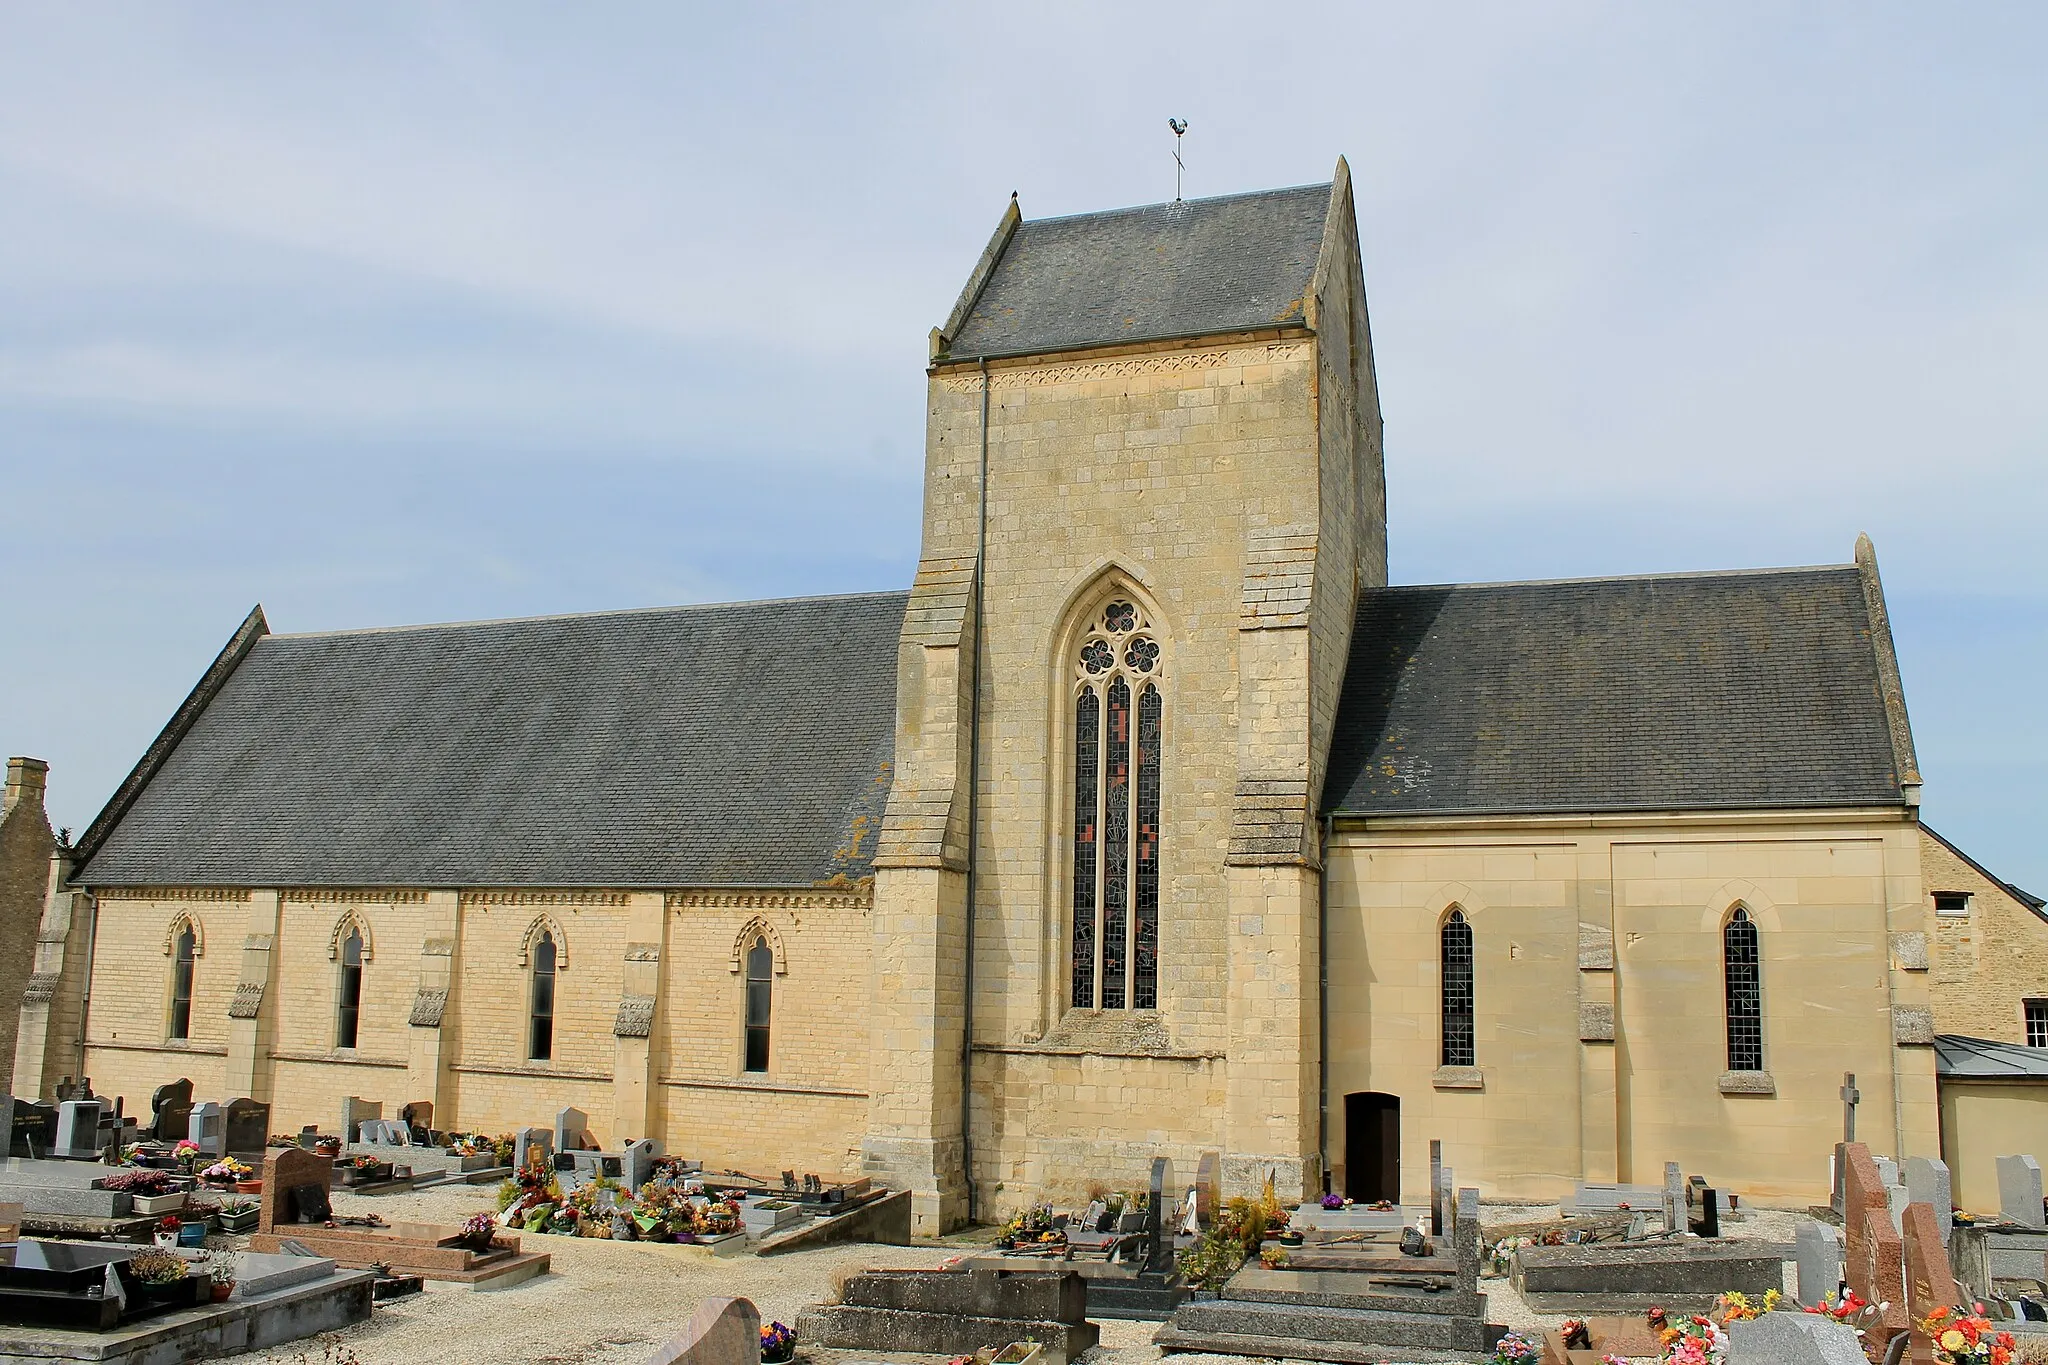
(533, 1147)
(169, 1107)
(31, 1128)
(295, 1188)
(572, 1129)
(1794, 1339)
(1873, 1255)
(1887, 1169)
(78, 1129)
(245, 1127)
(1436, 1185)
(1929, 1282)
(639, 1156)
(1818, 1249)
(2019, 1191)
(1093, 1214)
(720, 1332)
(206, 1126)
(419, 1116)
(1674, 1198)
(384, 1133)
(1208, 1187)
(1927, 1182)
(1158, 1236)
(1896, 1197)
(1445, 1197)
(353, 1112)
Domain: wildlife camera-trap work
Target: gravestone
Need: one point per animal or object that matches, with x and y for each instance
(639, 1156)
(353, 1112)
(1887, 1169)
(245, 1127)
(1896, 1197)
(1929, 1282)
(170, 1107)
(206, 1126)
(1818, 1250)
(1927, 1182)
(1674, 1198)
(1436, 1185)
(295, 1189)
(78, 1130)
(31, 1127)
(1873, 1255)
(384, 1133)
(572, 1130)
(1704, 1208)
(533, 1147)
(720, 1332)
(1445, 1198)
(1794, 1339)
(1208, 1187)
(419, 1116)
(1158, 1233)
(2019, 1191)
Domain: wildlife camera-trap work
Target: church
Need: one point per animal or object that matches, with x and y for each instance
(1150, 820)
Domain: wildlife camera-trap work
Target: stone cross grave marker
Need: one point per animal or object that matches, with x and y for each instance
(571, 1128)
(295, 1188)
(170, 1107)
(1158, 1231)
(1872, 1250)
(353, 1111)
(1818, 1249)
(1850, 1096)
(1929, 1282)
(1436, 1184)
(245, 1126)
(1927, 1182)
(2019, 1191)
(206, 1126)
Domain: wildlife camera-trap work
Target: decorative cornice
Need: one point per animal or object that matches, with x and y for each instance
(207, 895)
(635, 1018)
(1085, 371)
(248, 1001)
(427, 1007)
(516, 897)
(353, 895)
(792, 899)
(41, 988)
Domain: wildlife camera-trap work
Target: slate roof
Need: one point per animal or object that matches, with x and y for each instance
(745, 744)
(1957, 1057)
(1190, 268)
(1755, 689)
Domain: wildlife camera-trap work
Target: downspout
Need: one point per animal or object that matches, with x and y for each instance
(973, 815)
(1323, 1007)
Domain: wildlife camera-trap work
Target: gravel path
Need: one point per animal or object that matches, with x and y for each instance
(608, 1303)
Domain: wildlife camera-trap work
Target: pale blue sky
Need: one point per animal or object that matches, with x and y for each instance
(395, 313)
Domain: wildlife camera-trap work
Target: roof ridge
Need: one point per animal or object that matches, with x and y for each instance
(1323, 186)
(588, 615)
(1623, 578)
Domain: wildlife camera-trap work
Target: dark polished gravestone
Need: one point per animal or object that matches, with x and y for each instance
(85, 1287)
(30, 1127)
(170, 1111)
(246, 1127)
(295, 1189)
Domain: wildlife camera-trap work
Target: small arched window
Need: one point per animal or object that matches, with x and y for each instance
(541, 1040)
(1119, 715)
(1456, 948)
(349, 994)
(181, 982)
(1742, 967)
(760, 991)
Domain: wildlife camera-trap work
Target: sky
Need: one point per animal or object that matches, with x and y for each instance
(391, 313)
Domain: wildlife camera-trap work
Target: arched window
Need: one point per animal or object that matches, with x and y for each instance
(1458, 1046)
(181, 982)
(760, 986)
(541, 1044)
(1118, 714)
(349, 996)
(1742, 966)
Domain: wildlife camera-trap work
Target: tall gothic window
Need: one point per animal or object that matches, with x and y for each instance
(181, 982)
(1742, 963)
(349, 999)
(1118, 715)
(760, 988)
(541, 1043)
(1458, 1047)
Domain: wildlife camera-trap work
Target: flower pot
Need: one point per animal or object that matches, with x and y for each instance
(249, 1186)
(158, 1203)
(240, 1222)
(192, 1234)
(222, 1291)
(165, 1241)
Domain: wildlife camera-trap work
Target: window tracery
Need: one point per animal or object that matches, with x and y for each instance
(1742, 967)
(1119, 713)
(1459, 1043)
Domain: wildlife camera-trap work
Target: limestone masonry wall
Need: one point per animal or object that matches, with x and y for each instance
(25, 846)
(1985, 963)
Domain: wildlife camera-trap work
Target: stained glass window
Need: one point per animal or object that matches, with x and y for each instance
(181, 983)
(1118, 731)
(1742, 961)
(1459, 1048)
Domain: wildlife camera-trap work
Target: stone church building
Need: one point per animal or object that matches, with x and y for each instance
(1150, 820)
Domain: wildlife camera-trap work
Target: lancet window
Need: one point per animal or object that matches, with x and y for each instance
(1459, 1047)
(760, 1000)
(541, 1013)
(184, 950)
(1742, 964)
(349, 1002)
(1119, 715)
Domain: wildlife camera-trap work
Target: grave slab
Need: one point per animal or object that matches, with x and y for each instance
(1794, 1339)
(262, 1274)
(1688, 1275)
(204, 1333)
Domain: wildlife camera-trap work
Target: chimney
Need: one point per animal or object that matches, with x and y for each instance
(25, 782)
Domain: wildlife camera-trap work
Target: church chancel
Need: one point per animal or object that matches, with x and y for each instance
(1150, 821)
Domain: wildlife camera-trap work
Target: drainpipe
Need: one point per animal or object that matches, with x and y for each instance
(973, 815)
(1323, 1007)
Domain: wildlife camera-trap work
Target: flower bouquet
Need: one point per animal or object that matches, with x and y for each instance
(186, 1154)
(478, 1232)
(167, 1229)
(1968, 1338)
(226, 1171)
(1516, 1349)
(1333, 1201)
(778, 1343)
(1735, 1306)
(1694, 1340)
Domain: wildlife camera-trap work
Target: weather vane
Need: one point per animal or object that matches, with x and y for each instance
(1180, 128)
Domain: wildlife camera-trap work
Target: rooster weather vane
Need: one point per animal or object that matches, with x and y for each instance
(1180, 128)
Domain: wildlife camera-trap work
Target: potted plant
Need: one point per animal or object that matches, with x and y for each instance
(778, 1344)
(478, 1233)
(191, 1234)
(151, 1191)
(167, 1230)
(160, 1275)
(187, 1155)
(226, 1173)
(364, 1170)
(238, 1214)
(221, 1268)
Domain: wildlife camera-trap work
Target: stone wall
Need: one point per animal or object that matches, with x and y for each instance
(1984, 963)
(25, 846)
(1599, 1004)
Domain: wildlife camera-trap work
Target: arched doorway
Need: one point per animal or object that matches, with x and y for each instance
(1372, 1147)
